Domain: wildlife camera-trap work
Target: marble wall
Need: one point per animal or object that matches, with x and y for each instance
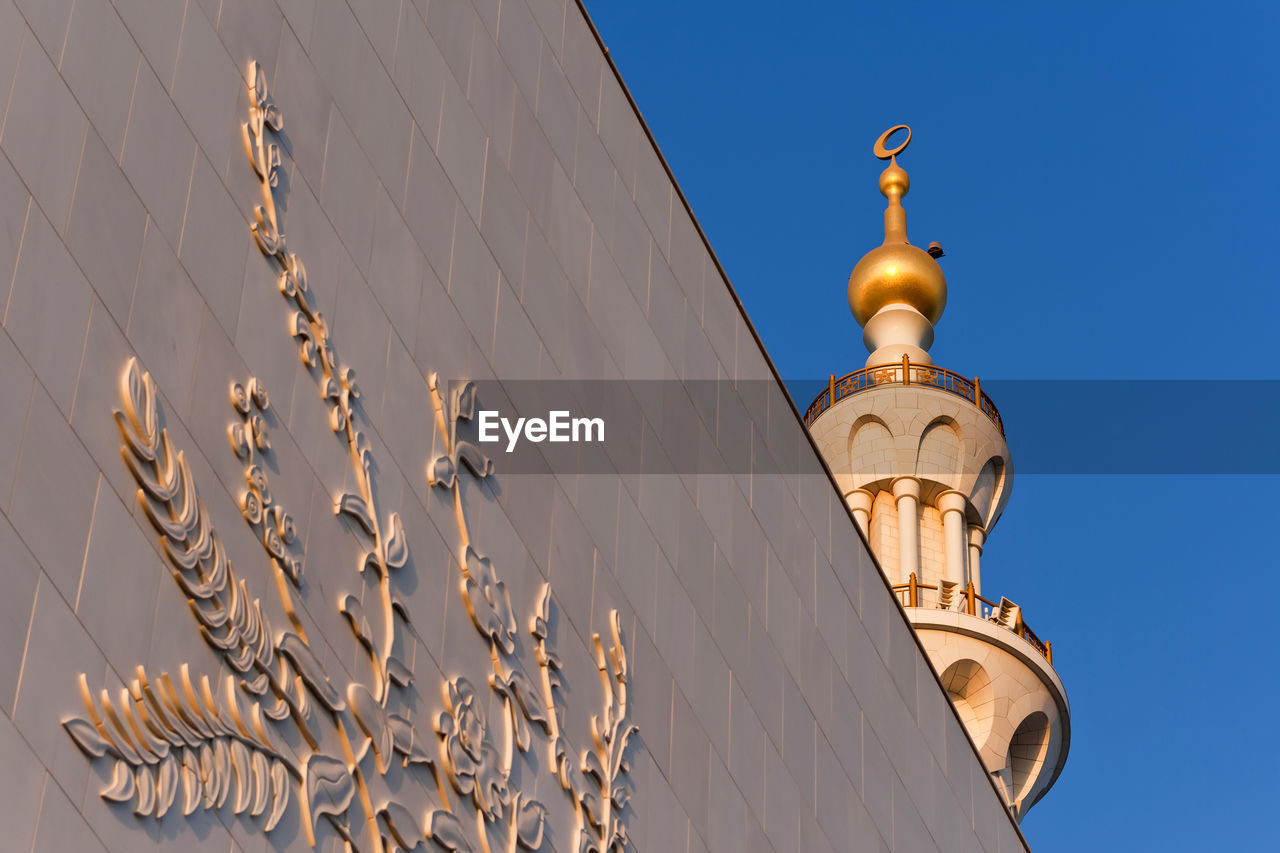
(261, 589)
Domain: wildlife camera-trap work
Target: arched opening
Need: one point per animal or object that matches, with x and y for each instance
(969, 689)
(870, 449)
(940, 452)
(1026, 753)
(987, 489)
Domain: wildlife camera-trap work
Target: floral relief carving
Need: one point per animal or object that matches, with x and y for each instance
(596, 782)
(471, 759)
(605, 764)
(250, 439)
(477, 755)
(336, 383)
(162, 735)
(285, 724)
(477, 770)
(231, 621)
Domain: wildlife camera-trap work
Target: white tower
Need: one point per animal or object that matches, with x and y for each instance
(920, 454)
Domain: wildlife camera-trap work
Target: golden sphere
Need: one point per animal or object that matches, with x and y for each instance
(897, 272)
(894, 177)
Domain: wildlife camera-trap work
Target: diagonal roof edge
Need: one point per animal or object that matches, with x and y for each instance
(724, 276)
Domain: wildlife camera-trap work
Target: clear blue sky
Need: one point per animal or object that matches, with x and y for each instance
(1103, 178)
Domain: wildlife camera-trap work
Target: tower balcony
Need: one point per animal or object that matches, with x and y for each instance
(948, 596)
(903, 373)
(999, 675)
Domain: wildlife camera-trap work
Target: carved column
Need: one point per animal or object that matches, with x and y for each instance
(906, 491)
(859, 501)
(951, 504)
(977, 536)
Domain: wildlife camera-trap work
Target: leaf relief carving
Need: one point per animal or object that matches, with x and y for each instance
(330, 788)
(231, 620)
(167, 736)
(446, 830)
(403, 828)
(310, 670)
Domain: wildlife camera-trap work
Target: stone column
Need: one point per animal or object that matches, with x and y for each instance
(906, 491)
(859, 501)
(951, 504)
(977, 536)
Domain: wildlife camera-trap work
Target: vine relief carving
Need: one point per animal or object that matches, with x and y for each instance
(283, 725)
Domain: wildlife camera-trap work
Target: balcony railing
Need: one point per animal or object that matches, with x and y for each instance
(1004, 613)
(906, 373)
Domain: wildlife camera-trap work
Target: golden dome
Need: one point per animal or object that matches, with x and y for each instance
(896, 271)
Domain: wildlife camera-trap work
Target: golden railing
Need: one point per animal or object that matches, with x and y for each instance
(905, 373)
(909, 594)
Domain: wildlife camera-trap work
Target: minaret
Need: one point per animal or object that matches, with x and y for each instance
(920, 454)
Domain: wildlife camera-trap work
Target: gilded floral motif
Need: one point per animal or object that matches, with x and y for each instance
(183, 742)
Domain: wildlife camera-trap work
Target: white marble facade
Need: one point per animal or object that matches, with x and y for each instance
(235, 595)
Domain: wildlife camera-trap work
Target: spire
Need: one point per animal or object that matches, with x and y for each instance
(894, 184)
(897, 292)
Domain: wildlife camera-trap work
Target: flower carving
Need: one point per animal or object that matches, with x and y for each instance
(471, 761)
